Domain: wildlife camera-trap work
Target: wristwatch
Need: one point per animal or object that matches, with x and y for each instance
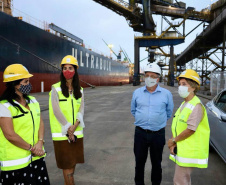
(174, 142)
(42, 140)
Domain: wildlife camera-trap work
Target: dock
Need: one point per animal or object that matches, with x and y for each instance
(108, 142)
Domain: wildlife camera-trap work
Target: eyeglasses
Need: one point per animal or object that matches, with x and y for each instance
(151, 76)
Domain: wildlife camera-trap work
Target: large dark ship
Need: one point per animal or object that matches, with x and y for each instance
(41, 51)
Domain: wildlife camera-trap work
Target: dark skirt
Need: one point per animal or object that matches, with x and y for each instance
(35, 174)
(68, 154)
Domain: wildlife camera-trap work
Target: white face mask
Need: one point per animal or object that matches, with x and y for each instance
(150, 82)
(183, 91)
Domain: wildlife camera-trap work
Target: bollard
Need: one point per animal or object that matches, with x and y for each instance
(42, 87)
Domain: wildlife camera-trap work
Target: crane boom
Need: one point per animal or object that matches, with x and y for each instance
(110, 48)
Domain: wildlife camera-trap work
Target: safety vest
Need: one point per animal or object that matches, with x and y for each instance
(69, 107)
(193, 151)
(26, 125)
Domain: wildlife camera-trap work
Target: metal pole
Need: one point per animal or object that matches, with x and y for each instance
(171, 66)
(136, 76)
(42, 86)
(184, 29)
(206, 71)
(211, 83)
(202, 70)
(217, 84)
(222, 80)
(223, 51)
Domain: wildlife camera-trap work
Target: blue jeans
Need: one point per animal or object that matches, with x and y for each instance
(154, 141)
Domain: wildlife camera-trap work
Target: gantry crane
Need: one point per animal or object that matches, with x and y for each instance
(138, 13)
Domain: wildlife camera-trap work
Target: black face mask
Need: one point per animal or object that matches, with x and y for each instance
(25, 89)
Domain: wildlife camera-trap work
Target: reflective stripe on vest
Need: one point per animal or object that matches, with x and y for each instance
(190, 106)
(61, 135)
(15, 162)
(189, 160)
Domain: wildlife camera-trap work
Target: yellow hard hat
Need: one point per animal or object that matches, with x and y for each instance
(15, 72)
(190, 74)
(69, 59)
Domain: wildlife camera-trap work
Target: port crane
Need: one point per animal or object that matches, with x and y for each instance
(119, 55)
(139, 13)
(142, 21)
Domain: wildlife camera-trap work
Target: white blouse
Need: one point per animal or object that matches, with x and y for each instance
(4, 111)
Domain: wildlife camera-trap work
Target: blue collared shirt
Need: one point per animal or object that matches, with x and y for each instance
(151, 110)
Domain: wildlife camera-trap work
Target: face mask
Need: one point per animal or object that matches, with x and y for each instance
(68, 74)
(25, 89)
(183, 91)
(150, 82)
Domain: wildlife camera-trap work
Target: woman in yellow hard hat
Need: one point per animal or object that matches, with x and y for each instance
(21, 131)
(189, 145)
(66, 109)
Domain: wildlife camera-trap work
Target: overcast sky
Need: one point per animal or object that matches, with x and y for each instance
(92, 22)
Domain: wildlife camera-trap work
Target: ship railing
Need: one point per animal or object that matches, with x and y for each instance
(93, 49)
(29, 19)
(97, 51)
(45, 26)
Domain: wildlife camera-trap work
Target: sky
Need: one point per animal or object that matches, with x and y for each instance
(93, 22)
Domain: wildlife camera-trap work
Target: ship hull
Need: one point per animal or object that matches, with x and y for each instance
(41, 53)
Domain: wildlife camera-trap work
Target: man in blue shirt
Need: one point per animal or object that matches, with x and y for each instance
(151, 106)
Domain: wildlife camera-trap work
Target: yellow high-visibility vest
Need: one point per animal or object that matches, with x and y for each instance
(69, 107)
(193, 151)
(27, 127)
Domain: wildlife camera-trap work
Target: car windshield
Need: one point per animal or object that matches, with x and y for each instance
(220, 102)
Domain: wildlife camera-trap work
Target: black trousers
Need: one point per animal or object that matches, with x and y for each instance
(154, 142)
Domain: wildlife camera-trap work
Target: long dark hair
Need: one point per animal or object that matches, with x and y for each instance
(75, 84)
(10, 94)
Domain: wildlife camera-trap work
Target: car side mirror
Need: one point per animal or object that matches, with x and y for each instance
(208, 104)
(223, 118)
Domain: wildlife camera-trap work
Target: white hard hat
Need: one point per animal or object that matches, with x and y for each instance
(153, 68)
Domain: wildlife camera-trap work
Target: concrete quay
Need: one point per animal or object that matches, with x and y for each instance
(108, 142)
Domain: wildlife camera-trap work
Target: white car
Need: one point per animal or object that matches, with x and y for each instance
(216, 110)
